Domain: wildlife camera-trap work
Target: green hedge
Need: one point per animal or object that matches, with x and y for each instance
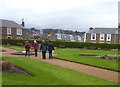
(66, 44)
(16, 41)
(86, 45)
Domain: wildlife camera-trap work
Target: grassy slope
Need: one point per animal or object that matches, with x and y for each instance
(73, 55)
(47, 74)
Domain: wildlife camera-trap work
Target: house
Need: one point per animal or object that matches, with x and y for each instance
(68, 37)
(78, 38)
(63, 37)
(102, 35)
(12, 30)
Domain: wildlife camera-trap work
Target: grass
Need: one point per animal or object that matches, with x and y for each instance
(74, 55)
(47, 74)
(19, 48)
(2, 50)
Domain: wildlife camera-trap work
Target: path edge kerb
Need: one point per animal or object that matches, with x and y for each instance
(87, 64)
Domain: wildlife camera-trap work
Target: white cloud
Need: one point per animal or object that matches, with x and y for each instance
(71, 14)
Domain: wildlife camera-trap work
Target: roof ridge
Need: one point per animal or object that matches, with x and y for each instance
(10, 23)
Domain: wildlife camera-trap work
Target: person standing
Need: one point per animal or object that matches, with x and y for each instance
(27, 47)
(50, 49)
(36, 47)
(43, 47)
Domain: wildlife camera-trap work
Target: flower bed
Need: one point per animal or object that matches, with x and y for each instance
(22, 53)
(109, 57)
(8, 67)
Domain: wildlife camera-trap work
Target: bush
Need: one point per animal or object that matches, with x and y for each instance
(15, 41)
(66, 44)
(6, 65)
(61, 46)
(19, 44)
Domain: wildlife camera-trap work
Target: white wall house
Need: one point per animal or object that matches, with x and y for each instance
(102, 35)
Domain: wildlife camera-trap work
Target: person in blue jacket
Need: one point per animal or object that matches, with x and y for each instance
(50, 49)
(43, 47)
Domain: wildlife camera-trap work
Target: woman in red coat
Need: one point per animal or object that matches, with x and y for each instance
(27, 48)
(36, 47)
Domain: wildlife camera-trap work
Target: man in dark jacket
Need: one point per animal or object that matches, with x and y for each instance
(43, 47)
(50, 49)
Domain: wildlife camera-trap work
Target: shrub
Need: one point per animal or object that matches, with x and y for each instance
(6, 65)
(19, 44)
(66, 44)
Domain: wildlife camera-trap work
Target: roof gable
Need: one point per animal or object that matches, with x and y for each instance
(9, 23)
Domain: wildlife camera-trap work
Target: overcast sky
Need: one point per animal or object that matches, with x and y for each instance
(61, 14)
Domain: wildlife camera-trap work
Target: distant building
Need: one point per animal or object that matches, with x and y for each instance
(12, 30)
(78, 38)
(68, 37)
(102, 35)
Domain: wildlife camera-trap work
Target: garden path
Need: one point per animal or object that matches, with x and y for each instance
(90, 70)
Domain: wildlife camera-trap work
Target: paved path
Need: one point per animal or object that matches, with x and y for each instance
(97, 72)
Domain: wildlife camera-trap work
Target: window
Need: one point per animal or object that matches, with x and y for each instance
(19, 31)
(65, 37)
(93, 36)
(8, 30)
(85, 37)
(78, 37)
(58, 36)
(101, 36)
(108, 37)
(71, 37)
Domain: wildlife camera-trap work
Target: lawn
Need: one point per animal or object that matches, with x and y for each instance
(19, 48)
(47, 74)
(2, 50)
(74, 55)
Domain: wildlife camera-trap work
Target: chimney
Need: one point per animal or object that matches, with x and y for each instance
(90, 28)
(119, 25)
(23, 23)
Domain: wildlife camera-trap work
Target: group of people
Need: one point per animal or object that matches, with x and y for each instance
(44, 47)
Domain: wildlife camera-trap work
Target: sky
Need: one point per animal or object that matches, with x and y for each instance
(61, 14)
(119, 13)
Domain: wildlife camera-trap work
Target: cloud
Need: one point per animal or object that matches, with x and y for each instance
(66, 14)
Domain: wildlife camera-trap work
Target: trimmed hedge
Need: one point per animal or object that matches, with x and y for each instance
(16, 41)
(65, 44)
(86, 45)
